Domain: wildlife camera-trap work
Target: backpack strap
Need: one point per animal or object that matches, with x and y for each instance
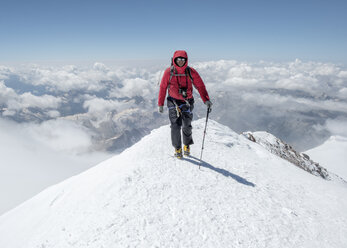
(189, 73)
(172, 68)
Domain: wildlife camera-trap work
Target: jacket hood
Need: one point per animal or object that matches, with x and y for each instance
(180, 53)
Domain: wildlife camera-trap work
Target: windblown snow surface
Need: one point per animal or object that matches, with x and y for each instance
(243, 196)
(332, 154)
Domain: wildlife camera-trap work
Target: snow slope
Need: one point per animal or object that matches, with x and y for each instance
(30, 163)
(332, 154)
(243, 196)
(280, 148)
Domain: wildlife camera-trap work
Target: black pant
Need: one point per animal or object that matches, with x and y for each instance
(185, 117)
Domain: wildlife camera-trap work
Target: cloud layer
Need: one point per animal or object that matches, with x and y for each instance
(258, 96)
(35, 156)
(52, 117)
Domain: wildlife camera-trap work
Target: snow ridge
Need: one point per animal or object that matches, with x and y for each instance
(332, 154)
(243, 196)
(287, 152)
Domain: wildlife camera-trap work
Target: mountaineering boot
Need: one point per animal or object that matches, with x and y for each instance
(178, 152)
(186, 150)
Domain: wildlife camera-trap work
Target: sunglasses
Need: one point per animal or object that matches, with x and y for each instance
(180, 59)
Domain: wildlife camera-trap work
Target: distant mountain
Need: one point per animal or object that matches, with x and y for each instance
(243, 196)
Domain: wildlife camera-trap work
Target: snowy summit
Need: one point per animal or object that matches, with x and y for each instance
(243, 196)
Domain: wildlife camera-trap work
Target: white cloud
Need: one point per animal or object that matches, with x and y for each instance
(5, 72)
(6, 93)
(100, 67)
(313, 78)
(61, 135)
(135, 87)
(53, 113)
(68, 77)
(337, 126)
(305, 76)
(343, 93)
(61, 80)
(14, 101)
(100, 89)
(35, 156)
(8, 112)
(298, 81)
(342, 74)
(27, 100)
(99, 105)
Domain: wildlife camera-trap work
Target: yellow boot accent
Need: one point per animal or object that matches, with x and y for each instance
(178, 153)
(186, 150)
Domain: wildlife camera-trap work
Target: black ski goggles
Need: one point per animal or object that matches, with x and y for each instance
(180, 59)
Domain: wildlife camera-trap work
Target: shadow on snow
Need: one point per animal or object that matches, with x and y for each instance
(225, 173)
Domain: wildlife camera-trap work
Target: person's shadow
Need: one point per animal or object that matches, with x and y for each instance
(225, 173)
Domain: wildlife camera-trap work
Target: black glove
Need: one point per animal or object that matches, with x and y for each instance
(160, 109)
(209, 105)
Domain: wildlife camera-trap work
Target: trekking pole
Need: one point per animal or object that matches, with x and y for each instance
(203, 139)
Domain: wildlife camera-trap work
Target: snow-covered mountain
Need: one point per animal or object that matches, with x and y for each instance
(243, 196)
(332, 154)
(287, 152)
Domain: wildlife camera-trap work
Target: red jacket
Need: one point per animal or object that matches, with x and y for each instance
(183, 81)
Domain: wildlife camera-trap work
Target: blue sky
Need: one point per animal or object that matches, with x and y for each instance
(120, 30)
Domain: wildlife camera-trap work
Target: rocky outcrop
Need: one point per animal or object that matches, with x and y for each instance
(287, 152)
